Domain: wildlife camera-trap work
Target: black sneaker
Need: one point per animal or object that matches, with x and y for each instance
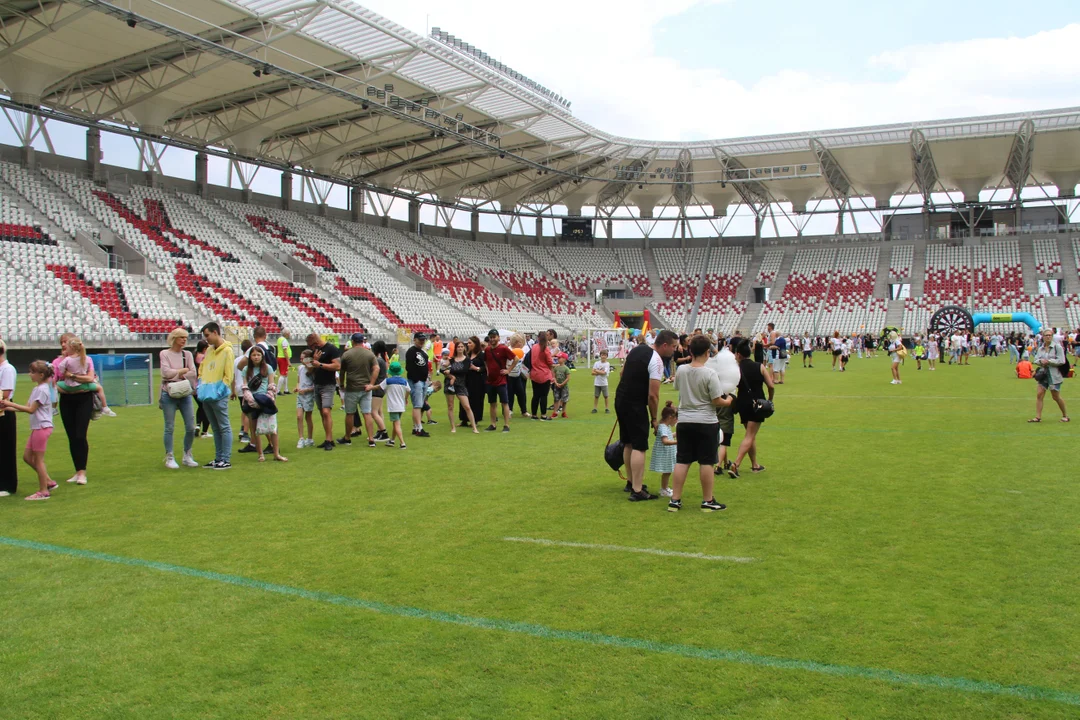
(490, 428)
(244, 438)
(674, 505)
(327, 446)
(506, 428)
(356, 433)
(629, 487)
(248, 449)
(536, 417)
(402, 446)
(211, 465)
(344, 441)
(594, 411)
(371, 442)
(421, 433)
(733, 472)
(222, 465)
(607, 412)
(759, 468)
(389, 443)
(711, 506)
(381, 436)
(643, 495)
(432, 422)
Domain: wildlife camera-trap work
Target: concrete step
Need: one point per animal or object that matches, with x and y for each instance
(881, 282)
(1055, 311)
(658, 294)
(746, 289)
(1069, 264)
(1027, 264)
(782, 275)
(918, 269)
(894, 316)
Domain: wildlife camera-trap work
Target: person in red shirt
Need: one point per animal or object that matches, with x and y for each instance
(500, 360)
(1024, 370)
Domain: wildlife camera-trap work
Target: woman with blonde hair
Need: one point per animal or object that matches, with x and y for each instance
(178, 381)
(76, 401)
(896, 351)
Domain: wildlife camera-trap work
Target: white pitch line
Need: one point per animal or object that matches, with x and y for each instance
(900, 397)
(621, 548)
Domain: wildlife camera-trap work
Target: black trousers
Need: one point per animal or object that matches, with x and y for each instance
(202, 423)
(540, 397)
(516, 387)
(75, 412)
(9, 453)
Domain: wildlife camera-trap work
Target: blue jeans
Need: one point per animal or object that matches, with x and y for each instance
(217, 412)
(186, 406)
(1014, 354)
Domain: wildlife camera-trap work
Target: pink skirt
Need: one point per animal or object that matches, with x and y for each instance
(39, 439)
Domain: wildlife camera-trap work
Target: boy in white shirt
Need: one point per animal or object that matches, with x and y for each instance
(600, 370)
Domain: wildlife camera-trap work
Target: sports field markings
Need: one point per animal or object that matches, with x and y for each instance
(622, 548)
(738, 657)
(901, 397)
(1015, 492)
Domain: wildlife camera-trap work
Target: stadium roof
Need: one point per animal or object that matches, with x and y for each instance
(330, 87)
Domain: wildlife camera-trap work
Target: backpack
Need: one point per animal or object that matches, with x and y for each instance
(527, 362)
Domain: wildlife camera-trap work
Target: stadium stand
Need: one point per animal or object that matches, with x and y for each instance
(1047, 257)
(900, 262)
(719, 309)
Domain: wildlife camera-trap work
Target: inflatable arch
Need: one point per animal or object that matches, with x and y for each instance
(953, 317)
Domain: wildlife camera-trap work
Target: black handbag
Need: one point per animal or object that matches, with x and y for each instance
(761, 409)
(613, 451)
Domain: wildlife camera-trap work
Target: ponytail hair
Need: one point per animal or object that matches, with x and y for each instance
(668, 412)
(42, 367)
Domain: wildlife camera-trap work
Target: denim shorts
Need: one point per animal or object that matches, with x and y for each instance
(357, 398)
(418, 392)
(306, 401)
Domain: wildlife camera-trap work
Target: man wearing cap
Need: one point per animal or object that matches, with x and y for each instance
(416, 374)
(326, 362)
(496, 358)
(358, 366)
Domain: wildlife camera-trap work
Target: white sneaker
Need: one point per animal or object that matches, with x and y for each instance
(665, 492)
(189, 461)
(170, 462)
(107, 412)
(4, 493)
(892, 382)
(301, 444)
(208, 436)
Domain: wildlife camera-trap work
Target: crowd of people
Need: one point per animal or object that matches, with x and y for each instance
(376, 389)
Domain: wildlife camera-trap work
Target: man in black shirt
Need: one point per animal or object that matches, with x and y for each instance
(326, 363)
(637, 401)
(416, 374)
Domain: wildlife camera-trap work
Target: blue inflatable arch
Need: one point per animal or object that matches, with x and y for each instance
(1021, 317)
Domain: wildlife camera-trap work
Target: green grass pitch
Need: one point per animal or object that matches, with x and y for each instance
(915, 556)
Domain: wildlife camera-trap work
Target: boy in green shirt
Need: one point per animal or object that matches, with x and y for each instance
(561, 386)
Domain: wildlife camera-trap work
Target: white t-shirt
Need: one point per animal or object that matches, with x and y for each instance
(656, 367)
(602, 380)
(956, 341)
(837, 344)
(7, 376)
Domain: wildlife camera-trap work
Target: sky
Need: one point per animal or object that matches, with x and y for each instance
(703, 69)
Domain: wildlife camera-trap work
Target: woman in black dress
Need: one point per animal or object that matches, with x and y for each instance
(475, 382)
(755, 379)
(456, 371)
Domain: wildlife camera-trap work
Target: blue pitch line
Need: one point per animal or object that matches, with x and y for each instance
(1025, 692)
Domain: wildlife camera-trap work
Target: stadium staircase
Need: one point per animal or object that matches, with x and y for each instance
(750, 318)
(654, 276)
(1027, 263)
(1055, 311)
(745, 290)
(881, 283)
(918, 269)
(782, 276)
(1070, 264)
(895, 316)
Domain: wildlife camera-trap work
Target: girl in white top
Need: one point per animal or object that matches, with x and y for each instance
(932, 351)
(836, 343)
(895, 344)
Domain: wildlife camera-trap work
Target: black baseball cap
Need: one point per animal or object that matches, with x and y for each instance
(419, 336)
(358, 338)
(492, 331)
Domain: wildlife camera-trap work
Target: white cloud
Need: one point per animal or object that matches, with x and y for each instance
(600, 54)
